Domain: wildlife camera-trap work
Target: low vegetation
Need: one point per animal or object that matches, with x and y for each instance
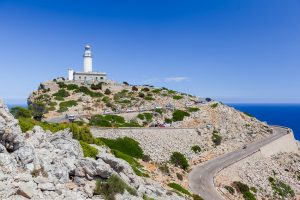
(62, 93)
(229, 189)
(111, 121)
(88, 150)
(125, 145)
(178, 115)
(177, 97)
(196, 149)
(193, 109)
(179, 160)
(214, 105)
(281, 189)
(88, 92)
(20, 112)
(216, 138)
(179, 188)
(112, 186)
(244, 189)
(64, 106)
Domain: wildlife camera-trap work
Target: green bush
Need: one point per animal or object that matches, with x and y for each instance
(168, 121)
(214, 105)
(72, 87)
(96, 86)
(249, 196)
(135, 165)
(141, 116)
(145, 89)
(179, 160)
(61, 84)
(280, 188)
(125, 145)
(19, 112)
(59, 98)
(134, 88)
(88, 150)
(179, 188)
(107, 120)
(38, 109)
(178, 115)
(146, 158)
(229, 189)
(145, 197)
(142, 95)
(179, 176)
(216, 138)
(248, 114)
(63, 106)
(88, 92)
(148, 116)
(244, 189)
(193, 109)
(52, 104)
(197, 197)
(164, 168)
(61, 93)
(177, 97)
(196, 148)
(107, 92)
(149, 98)
(158, 110)
(114, 185)
(26, 124)
(156, 91)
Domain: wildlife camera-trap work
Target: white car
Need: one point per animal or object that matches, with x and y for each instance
(129, 110)
(71, 117)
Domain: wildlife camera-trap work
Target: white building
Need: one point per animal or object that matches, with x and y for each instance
(87, 76)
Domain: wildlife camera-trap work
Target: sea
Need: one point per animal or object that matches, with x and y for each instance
(274, 114)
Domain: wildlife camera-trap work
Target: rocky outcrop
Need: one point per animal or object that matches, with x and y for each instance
(44, 165)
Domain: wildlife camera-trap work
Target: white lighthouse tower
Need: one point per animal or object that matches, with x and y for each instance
(87, 59)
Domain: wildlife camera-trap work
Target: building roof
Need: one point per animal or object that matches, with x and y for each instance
(91, 73)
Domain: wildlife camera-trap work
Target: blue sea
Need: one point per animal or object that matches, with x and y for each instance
(276, 114)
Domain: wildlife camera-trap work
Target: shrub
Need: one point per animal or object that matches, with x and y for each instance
(107, 120)
(145, 89)
(179, 188)
(125, 145)
(158, 111)
(26, 124)
(193, 109)
(216, 138)
(164, 168)
(168, 121)
(196, 148)
(125, 83)
(105, 99)
(197, 197)
(280, 188)
(114, 185)
(141, 116)
(146, 158)
(59, 98)
(177, 97)
(145, 197)
(179, 160)
(63, 106)
(62, 93)
(229, 189)
(148, 116)
(134, 88)
(19, 112)
(253, 189)
(214, 105)
(148, 98)
(179, 176)
(88, 92)
(88, 150)
(135, 165)
(178, 115)
(241, 187)
(52, 104)
(248, 114)
(61, 84)
(249, 196)
(142, 95)
(38, 109)
(96, 86)
(107, 92)
(72, 87)
(156, 91)
(82, 133)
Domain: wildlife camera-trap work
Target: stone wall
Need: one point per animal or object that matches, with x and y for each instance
(285, 144)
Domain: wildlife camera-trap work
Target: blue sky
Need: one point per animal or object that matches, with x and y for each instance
(232, 50)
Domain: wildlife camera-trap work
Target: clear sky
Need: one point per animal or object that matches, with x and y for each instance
(233, 50)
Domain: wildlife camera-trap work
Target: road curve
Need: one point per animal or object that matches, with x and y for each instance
(201, 178)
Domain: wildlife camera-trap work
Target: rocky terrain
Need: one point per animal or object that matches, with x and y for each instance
(45, 165)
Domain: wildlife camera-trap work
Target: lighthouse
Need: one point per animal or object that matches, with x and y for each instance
(87, 59)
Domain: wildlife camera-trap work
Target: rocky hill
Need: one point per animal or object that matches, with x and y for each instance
(150, 138)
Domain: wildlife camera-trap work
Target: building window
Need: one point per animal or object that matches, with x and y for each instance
(96, 78)
(80, 77)
(85, 78)
(101, 77)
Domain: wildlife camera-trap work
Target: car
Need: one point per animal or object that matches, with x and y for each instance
(71, 117)
(245, 146)
(130, 110)
(106, 112)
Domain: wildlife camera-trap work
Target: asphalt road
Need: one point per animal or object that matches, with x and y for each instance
(201, 178)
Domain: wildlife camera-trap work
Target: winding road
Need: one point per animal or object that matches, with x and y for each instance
(201, 178)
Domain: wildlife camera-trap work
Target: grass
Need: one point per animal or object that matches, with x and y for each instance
(125, 145)
(178, 115)
(112, 186)
(179, 188)
(88, 150)
(179, 160)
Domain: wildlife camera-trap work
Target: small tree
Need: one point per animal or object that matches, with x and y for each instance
(125, 83)
(18, 112)
(134, 88)
(38, 110)
(216, 138)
